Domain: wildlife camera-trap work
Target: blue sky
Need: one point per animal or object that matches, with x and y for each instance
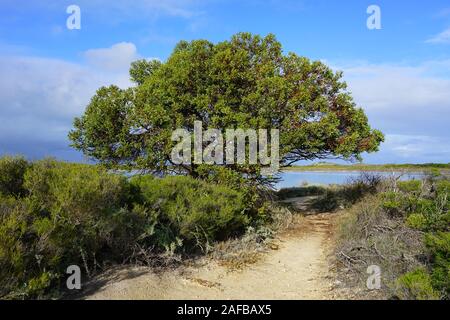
(400, 74)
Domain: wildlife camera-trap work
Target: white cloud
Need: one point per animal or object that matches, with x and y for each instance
(417, 148)
(441, 38)
(409, 103)
(40, 97)
(397, 86)
(116, 58)
(403, 99)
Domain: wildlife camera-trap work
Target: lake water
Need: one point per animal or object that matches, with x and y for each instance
(296, 179)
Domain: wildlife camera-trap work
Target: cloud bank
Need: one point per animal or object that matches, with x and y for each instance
(409, 103)
(40, 97)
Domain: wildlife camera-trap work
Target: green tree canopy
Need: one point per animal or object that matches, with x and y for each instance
(246, 82)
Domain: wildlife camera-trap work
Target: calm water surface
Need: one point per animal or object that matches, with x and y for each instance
(296, 179)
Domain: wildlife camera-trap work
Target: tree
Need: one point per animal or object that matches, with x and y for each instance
(246, 82)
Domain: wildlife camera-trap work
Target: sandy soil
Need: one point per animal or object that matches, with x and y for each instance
(298, 269)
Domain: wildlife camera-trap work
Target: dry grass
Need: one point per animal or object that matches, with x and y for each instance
(369, 236)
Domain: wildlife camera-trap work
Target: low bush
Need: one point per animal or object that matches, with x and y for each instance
(343, 196)
(74, 214)
(404, 229)
(191, 211)
(439, 248)
(12, 170)
(417, 221)
(411, 186)
(295, 192)
(415, 285)
(371, 236)
(69, 217)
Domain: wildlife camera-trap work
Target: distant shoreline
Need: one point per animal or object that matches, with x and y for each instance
(444, 168)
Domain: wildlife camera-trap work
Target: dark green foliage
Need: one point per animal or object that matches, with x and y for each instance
(191, 211)
(142, 69)
(68, 217)
(12, 170)
(300, 192)
(439, 247)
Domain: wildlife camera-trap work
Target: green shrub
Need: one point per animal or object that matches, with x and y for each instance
(193, 211)
(431, 217)
(69, 217)
(439, 247)
(417, 221)
(410, 186)
(12, 170)
(443, 188)
(416, 285)
(16, 244)
(255, 195)
(295, 192)
(399, 204)
(421, 205)
(393, 203)
(366, 183)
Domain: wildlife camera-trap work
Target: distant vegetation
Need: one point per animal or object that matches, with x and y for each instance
(371, 167)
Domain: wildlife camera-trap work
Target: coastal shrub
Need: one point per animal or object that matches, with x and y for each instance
(416, 285)
(411, 186)
(417, 221)
(68, 218)
(305, 191)
(12, 170)
(393, 203)
(14, 241)
(343, 196)
(443, 187)
(255, 194)
(439, 247)
(366, 237)
(192, 211)
(415, 216)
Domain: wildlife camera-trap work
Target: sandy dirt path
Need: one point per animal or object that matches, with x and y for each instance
(298, 269)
